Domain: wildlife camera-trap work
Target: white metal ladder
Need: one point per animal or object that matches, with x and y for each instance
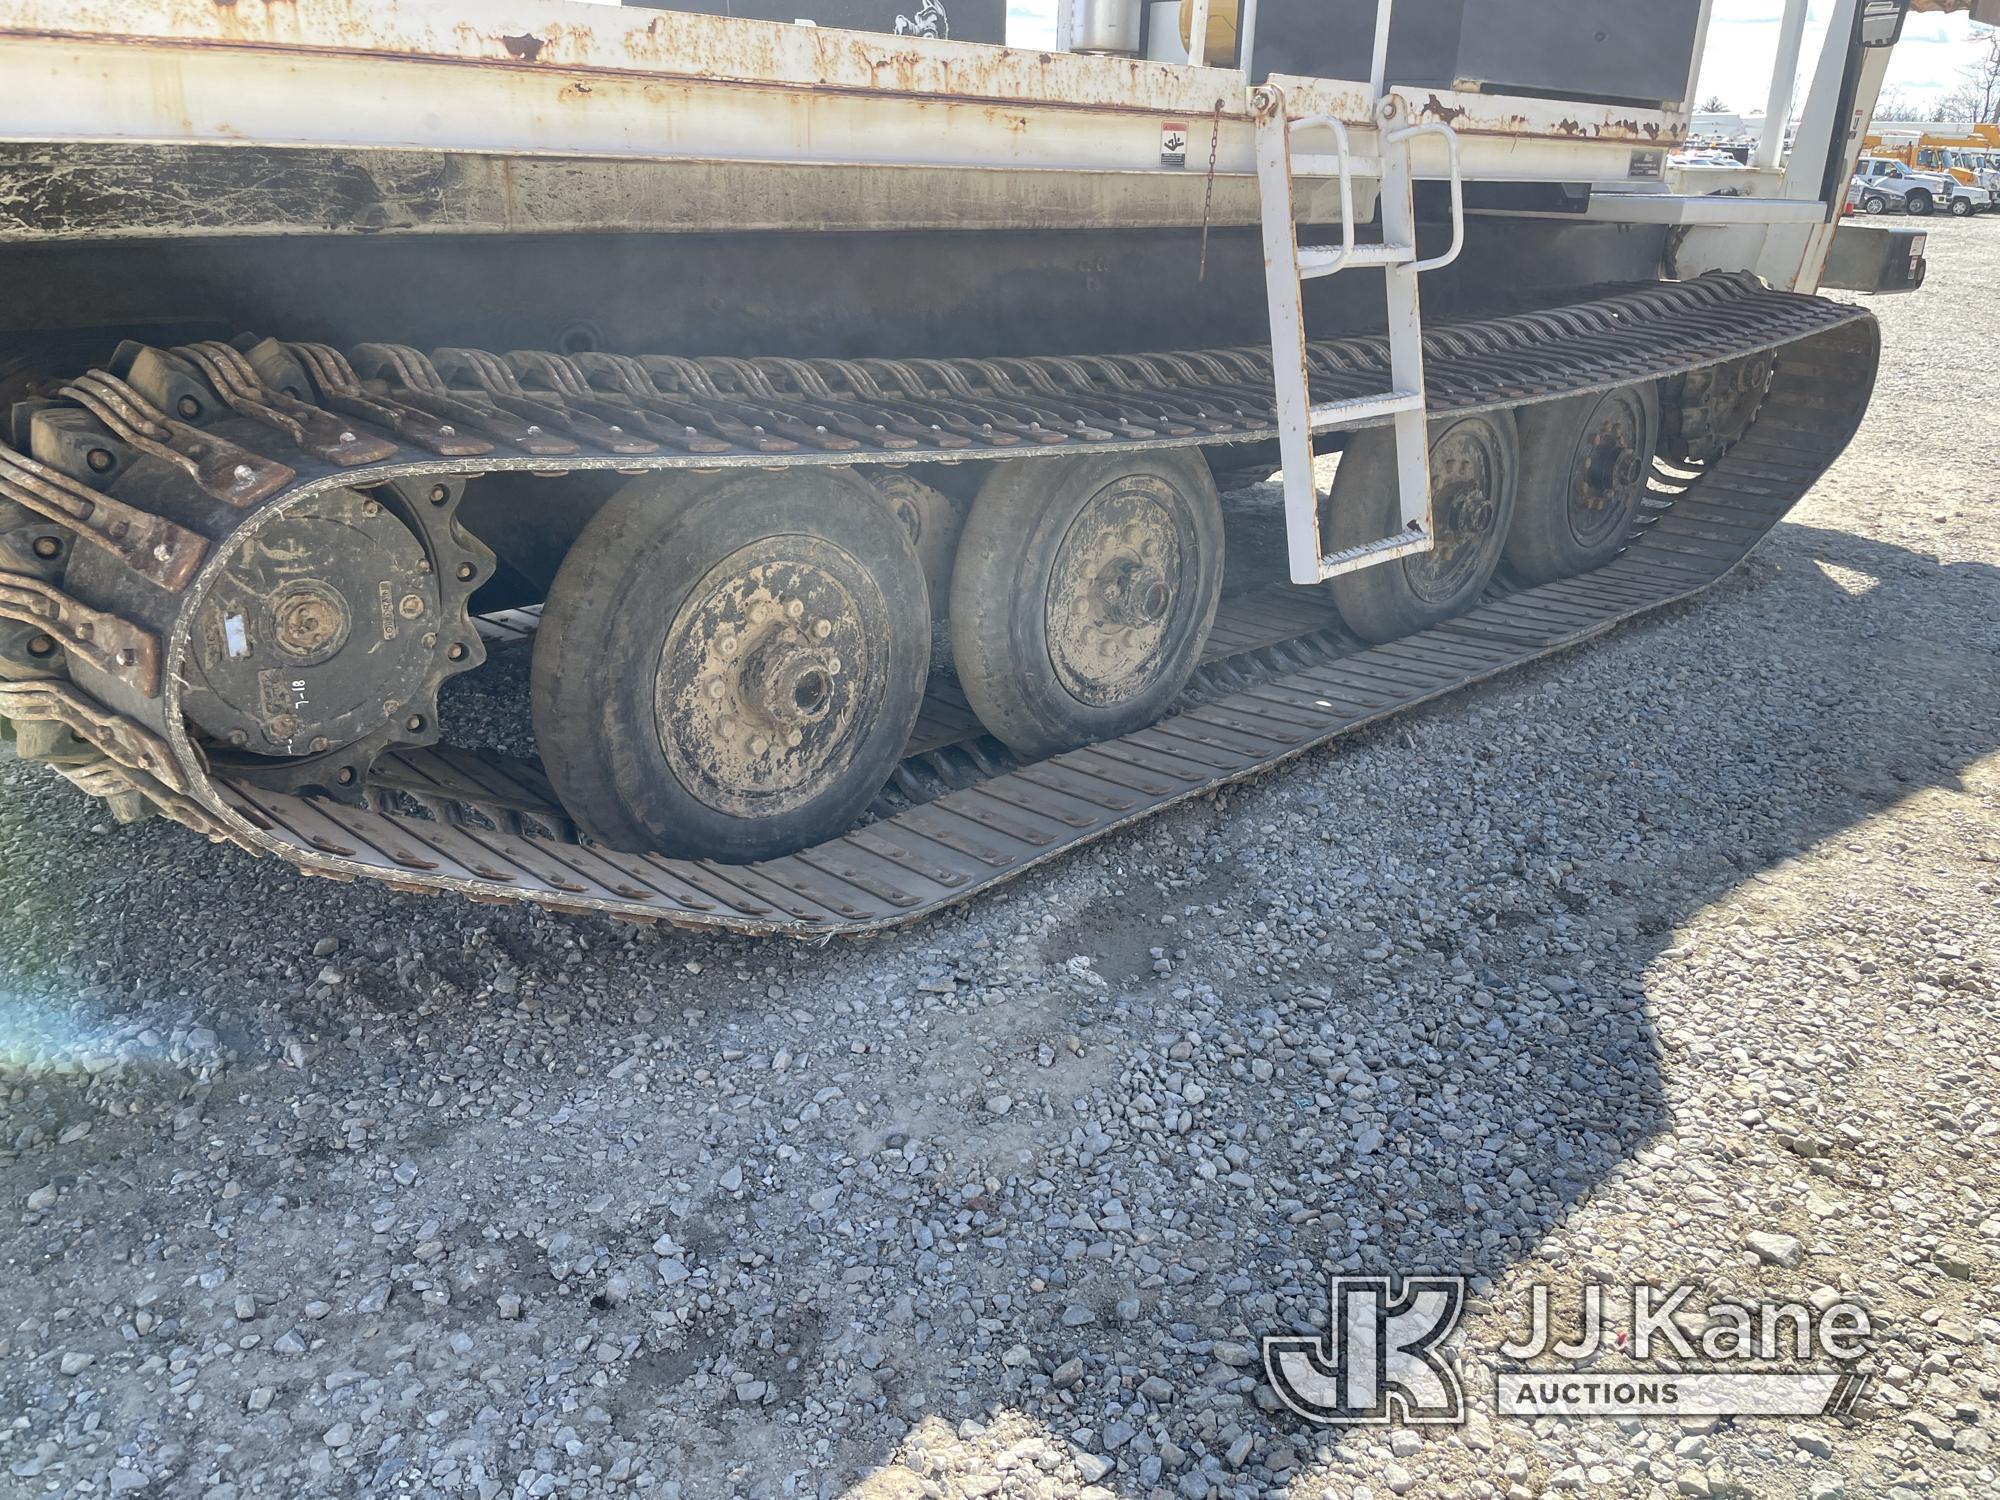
(1286, 266)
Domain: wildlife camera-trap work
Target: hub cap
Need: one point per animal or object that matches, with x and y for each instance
(1608, 470)
(323, 628)
(1112, 594)
(1467, 469)
(764, 680)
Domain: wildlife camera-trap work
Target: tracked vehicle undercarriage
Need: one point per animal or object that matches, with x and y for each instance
(836, 627)
(184, 516)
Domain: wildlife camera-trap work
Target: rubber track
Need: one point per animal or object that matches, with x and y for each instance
(966, 841)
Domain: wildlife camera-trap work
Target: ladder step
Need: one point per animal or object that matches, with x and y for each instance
(1329, 414)
(1353, 559)
(1320, 260)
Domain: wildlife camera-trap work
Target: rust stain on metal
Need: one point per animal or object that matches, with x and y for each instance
(712, 51)
(1437, 109)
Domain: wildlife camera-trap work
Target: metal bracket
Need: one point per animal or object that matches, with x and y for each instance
(113, 645)
(229, 473)
(154, 548)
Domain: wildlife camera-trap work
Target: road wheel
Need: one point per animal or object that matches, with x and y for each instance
(1918, 203)
(1475, 475)
(1583, 473)
(1961, 208)
(1083, 595)
(729, 667)
(1874, 203)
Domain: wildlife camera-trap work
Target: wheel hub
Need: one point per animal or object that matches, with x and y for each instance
(1132, 595)
(318, 632)
(311, 620)
(1465, 475)
(1112, 592)
(1613, 466)
(755, 694)
(1609, 469)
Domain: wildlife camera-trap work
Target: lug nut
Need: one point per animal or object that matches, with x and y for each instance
(794, 608)
(100, 460)
(795, 739)
(188, 407)
(759, 745)
(439, 494)
(715, 687)
(455, 652)
(822, 628)
(48, 546)
(41, 645)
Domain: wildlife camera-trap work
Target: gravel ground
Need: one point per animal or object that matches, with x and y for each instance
(1589, 975)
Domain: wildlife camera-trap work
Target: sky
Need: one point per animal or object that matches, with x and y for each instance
(1743, 42)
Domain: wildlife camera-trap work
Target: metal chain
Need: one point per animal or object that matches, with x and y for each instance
(1208, 190)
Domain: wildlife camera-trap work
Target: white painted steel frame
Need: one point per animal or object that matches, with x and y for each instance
(545, 76)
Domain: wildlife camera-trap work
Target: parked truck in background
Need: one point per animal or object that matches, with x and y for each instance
(1882, 183)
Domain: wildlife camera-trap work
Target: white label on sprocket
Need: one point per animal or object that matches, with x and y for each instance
(236, 635)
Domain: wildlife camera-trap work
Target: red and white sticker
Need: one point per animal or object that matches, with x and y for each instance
(1173, 143)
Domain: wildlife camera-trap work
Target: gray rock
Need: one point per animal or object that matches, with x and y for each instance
(1776, 1249)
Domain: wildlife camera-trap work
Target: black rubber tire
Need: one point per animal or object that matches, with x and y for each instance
(1543, 544)
(604, 632)
(1394, 599)
(1919, 203)
(1013, 544)
(1963, 208)
(1874, 203)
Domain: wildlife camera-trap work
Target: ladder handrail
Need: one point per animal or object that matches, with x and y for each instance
(1345, 156)
(1433, 127)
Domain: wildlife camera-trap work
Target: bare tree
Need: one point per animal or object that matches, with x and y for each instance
(1716, 105)
(1977, 97)
(1897, 108)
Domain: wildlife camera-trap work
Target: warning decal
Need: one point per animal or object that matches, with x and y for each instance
(1173, 144)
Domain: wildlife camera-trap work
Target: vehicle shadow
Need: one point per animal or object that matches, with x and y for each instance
(976, 1197)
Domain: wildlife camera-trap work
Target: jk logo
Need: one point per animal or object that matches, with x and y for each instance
(1379, 1360)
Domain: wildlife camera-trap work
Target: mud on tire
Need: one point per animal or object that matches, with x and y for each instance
(730, 666)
